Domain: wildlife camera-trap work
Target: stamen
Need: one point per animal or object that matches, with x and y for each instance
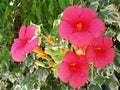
(73, 66)
(98, 49)
(81, 51)
(79, 26)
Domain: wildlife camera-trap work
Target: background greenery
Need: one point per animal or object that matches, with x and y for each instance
(47, 14)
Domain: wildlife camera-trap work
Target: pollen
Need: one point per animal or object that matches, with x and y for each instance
(81, 51)
(79, 27)
(73, 66)
(98, 49)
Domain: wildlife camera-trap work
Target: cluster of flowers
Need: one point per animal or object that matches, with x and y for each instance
(84, 30)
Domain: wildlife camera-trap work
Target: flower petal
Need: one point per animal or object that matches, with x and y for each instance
(31, 45)
(71, 14)
(90, 53)
(105, 58)
(98, 42)
(109, 55)
(100, 62)
(80, 77)
(70, 57)
(96, 27)
(30, 32)
(22, 32)
(81, 39)
(65, 30)
(107, 42)
(87, 14)
(17, 51)
(64, 72)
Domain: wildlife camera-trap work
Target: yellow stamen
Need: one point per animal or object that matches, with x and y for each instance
(81, 51)
(98, 49)
(73, 64)
(79, 26)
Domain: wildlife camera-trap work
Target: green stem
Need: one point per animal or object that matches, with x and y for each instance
(92, 70)
(68, 87)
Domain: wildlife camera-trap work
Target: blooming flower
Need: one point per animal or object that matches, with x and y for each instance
(101, 52)
(80, 25)
(24, 44)
(73, 69)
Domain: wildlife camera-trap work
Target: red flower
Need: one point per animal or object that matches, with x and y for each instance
(101, 52)
(79, 25)
(73, 69)
(24, 44)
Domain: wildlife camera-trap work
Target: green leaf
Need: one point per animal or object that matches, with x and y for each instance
(57, 57)
(118, 36)
(17, 87)
(42, 74)
(106, 71)
(94, 5)
(111, 83)
(62, 3)
(99, 79)
(116, 63)
(94, 87)
(81, 88)
(71, 2)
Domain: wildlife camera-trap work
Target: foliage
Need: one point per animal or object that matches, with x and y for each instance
(47, 15)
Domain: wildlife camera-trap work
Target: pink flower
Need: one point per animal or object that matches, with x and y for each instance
(24, 44)
(79, 25)
(101, 52)
(73, 69)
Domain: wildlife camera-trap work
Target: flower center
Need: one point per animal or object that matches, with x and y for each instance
(98, 50)
(79, 27)
(81, 51)
(73, 66)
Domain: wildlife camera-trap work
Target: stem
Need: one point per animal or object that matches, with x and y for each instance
(92, 70)
(68, 87)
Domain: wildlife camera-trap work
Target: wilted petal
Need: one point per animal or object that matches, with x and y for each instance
(64, 72)
(96, 27)
(17, 51)
(65, 30)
